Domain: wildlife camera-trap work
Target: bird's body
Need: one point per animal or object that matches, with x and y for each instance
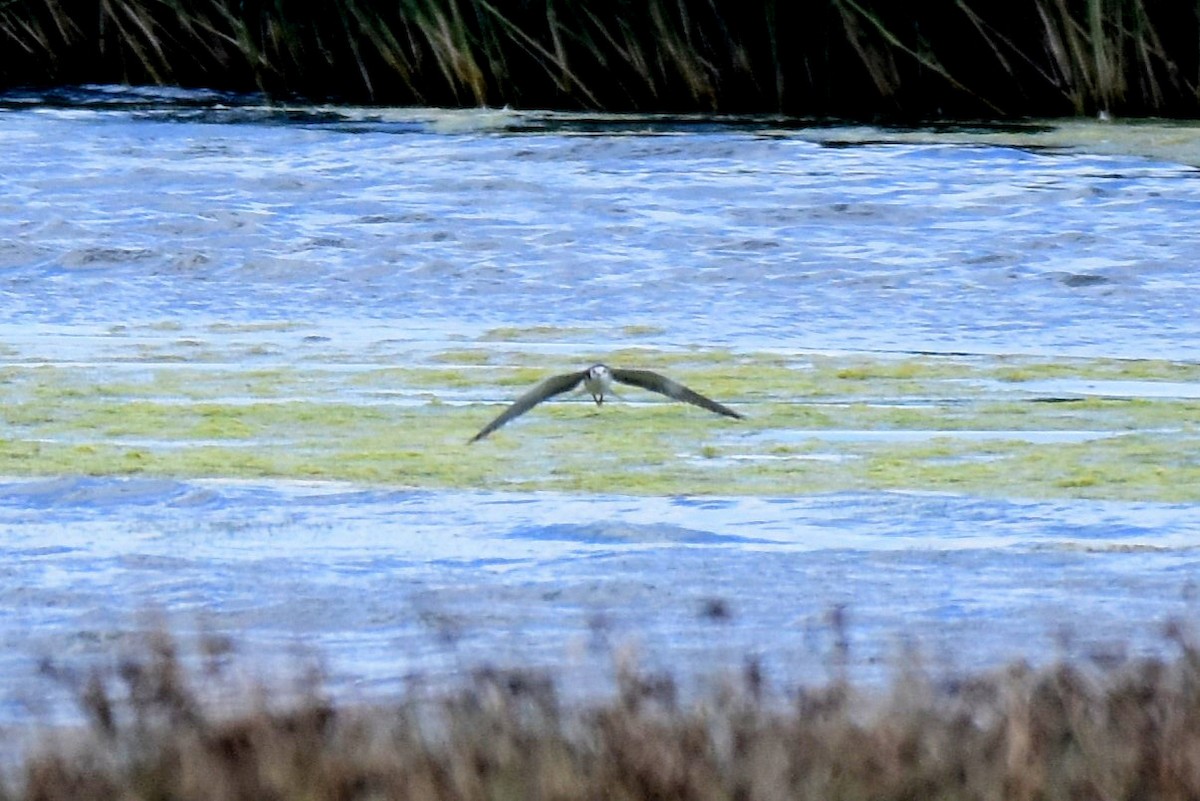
(597, 381)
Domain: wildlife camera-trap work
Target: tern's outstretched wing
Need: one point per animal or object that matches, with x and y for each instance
(555, 385)
(647, 379)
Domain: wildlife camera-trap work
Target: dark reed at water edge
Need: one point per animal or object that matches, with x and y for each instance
(1122, 731)
(865, 59)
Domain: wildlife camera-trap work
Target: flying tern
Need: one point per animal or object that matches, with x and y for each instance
(597, 380)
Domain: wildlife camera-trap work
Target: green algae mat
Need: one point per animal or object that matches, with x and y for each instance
(273, 402)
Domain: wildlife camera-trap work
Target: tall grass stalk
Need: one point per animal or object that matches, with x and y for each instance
(853, 58)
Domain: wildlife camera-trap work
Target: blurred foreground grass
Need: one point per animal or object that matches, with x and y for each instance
(157, 728)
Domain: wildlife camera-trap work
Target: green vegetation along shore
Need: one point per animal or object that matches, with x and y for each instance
(863, 59)
(210, 402)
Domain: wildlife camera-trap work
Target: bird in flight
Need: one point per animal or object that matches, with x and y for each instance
(597, 380)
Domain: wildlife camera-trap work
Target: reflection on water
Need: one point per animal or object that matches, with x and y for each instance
(129, 220)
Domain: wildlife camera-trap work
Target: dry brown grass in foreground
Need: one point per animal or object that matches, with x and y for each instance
(1063, 732)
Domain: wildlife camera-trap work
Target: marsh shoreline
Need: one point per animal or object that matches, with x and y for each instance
(847, 59)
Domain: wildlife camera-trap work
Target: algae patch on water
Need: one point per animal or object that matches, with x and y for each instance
(815, 423)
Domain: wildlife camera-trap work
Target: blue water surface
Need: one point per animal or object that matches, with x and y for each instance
(138, 209)
(393, 587)
(130, 219)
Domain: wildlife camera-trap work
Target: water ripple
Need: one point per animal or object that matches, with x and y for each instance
(747, 239)
(373, 577)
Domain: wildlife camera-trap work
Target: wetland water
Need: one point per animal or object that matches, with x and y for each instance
(184, 257)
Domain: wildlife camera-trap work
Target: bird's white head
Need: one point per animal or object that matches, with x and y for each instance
(598, 382)
(599, 372)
